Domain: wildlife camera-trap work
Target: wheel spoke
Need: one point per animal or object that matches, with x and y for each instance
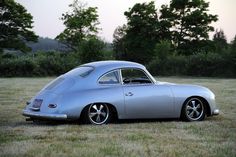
(197, 113)
(92, 114)
(101, 107)
(95, 107)
(198, 106)
(191, 114)
(98, 119)
(189, 108)
(193, 102)
(103, 114)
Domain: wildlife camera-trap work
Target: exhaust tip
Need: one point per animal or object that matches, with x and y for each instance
(28, 119)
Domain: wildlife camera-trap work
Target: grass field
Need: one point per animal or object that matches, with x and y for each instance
(216, 136)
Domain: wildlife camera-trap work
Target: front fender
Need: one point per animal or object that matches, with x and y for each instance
(183, 92)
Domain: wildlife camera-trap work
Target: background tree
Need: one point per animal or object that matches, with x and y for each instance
(118, 42)
(81, 24)
(163, 49)
(233, 48)
(15, 26)
(91, 50)
(220, 41)
(142, 32)
(189, 24)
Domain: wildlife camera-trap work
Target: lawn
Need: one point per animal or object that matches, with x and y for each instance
(216, 136)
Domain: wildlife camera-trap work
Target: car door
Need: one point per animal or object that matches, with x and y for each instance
(143, 98)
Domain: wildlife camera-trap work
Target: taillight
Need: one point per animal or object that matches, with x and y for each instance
(37, 103)
(52, 105)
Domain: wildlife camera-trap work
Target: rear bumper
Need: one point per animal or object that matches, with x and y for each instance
(39, 115)
(216, 112)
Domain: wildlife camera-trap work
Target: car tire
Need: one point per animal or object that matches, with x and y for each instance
(97, 113)
(194, 109)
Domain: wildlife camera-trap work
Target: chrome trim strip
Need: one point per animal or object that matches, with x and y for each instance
(34, 108)
(44, 115)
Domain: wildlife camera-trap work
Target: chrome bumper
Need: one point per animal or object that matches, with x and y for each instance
(44, 115)
(216, 112)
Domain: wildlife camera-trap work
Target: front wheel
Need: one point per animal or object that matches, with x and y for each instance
(193, 110)
(98, 114)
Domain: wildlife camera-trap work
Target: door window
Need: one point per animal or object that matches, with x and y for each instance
(134, 76)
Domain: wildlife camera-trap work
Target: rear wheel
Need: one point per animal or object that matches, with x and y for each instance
(194, 110)
(98, 114)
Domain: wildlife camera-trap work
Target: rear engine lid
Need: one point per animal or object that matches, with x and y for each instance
(59, 85)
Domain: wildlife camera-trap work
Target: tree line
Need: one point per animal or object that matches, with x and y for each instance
(173, 40)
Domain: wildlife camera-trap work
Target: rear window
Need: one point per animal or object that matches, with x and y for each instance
(110, 78)
(54, 83)
(82, 71)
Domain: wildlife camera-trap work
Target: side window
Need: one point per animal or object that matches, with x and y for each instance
(110, 78)
(134, 76)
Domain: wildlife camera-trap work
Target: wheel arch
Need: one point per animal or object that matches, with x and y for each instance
(111, 106)
(205, 103)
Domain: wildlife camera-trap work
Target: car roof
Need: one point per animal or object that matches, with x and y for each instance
(111, 64)
(101, 67)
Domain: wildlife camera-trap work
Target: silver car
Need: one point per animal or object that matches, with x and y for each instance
(98, 92)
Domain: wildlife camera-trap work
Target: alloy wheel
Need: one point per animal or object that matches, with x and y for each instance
(194, 109)
(98, 113)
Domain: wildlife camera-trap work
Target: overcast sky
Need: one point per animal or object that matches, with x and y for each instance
(46, 14)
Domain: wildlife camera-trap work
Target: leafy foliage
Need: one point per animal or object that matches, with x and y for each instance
(80, 24)
(188, 23)
(91, 50)
(142, 32)
(220, 41)
(119, 42)
(233, 48)
(15, 26)
(56, 63)
(184, 23)
(208, 64)
(163, 49)
(42, 64)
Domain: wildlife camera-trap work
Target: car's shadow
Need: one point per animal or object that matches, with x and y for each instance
(123, 121)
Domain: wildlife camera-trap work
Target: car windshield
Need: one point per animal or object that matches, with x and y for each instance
(82, 71)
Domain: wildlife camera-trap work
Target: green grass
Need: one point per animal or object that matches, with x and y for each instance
(216, 136)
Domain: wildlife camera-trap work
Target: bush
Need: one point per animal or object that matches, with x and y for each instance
(202, 64)
(57, 63)
(17, 67)
(211, 64)
(41, 64)
(172, 65)
(91, 50)
(163, 49)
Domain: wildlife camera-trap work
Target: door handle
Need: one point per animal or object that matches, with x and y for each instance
(129, 94)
